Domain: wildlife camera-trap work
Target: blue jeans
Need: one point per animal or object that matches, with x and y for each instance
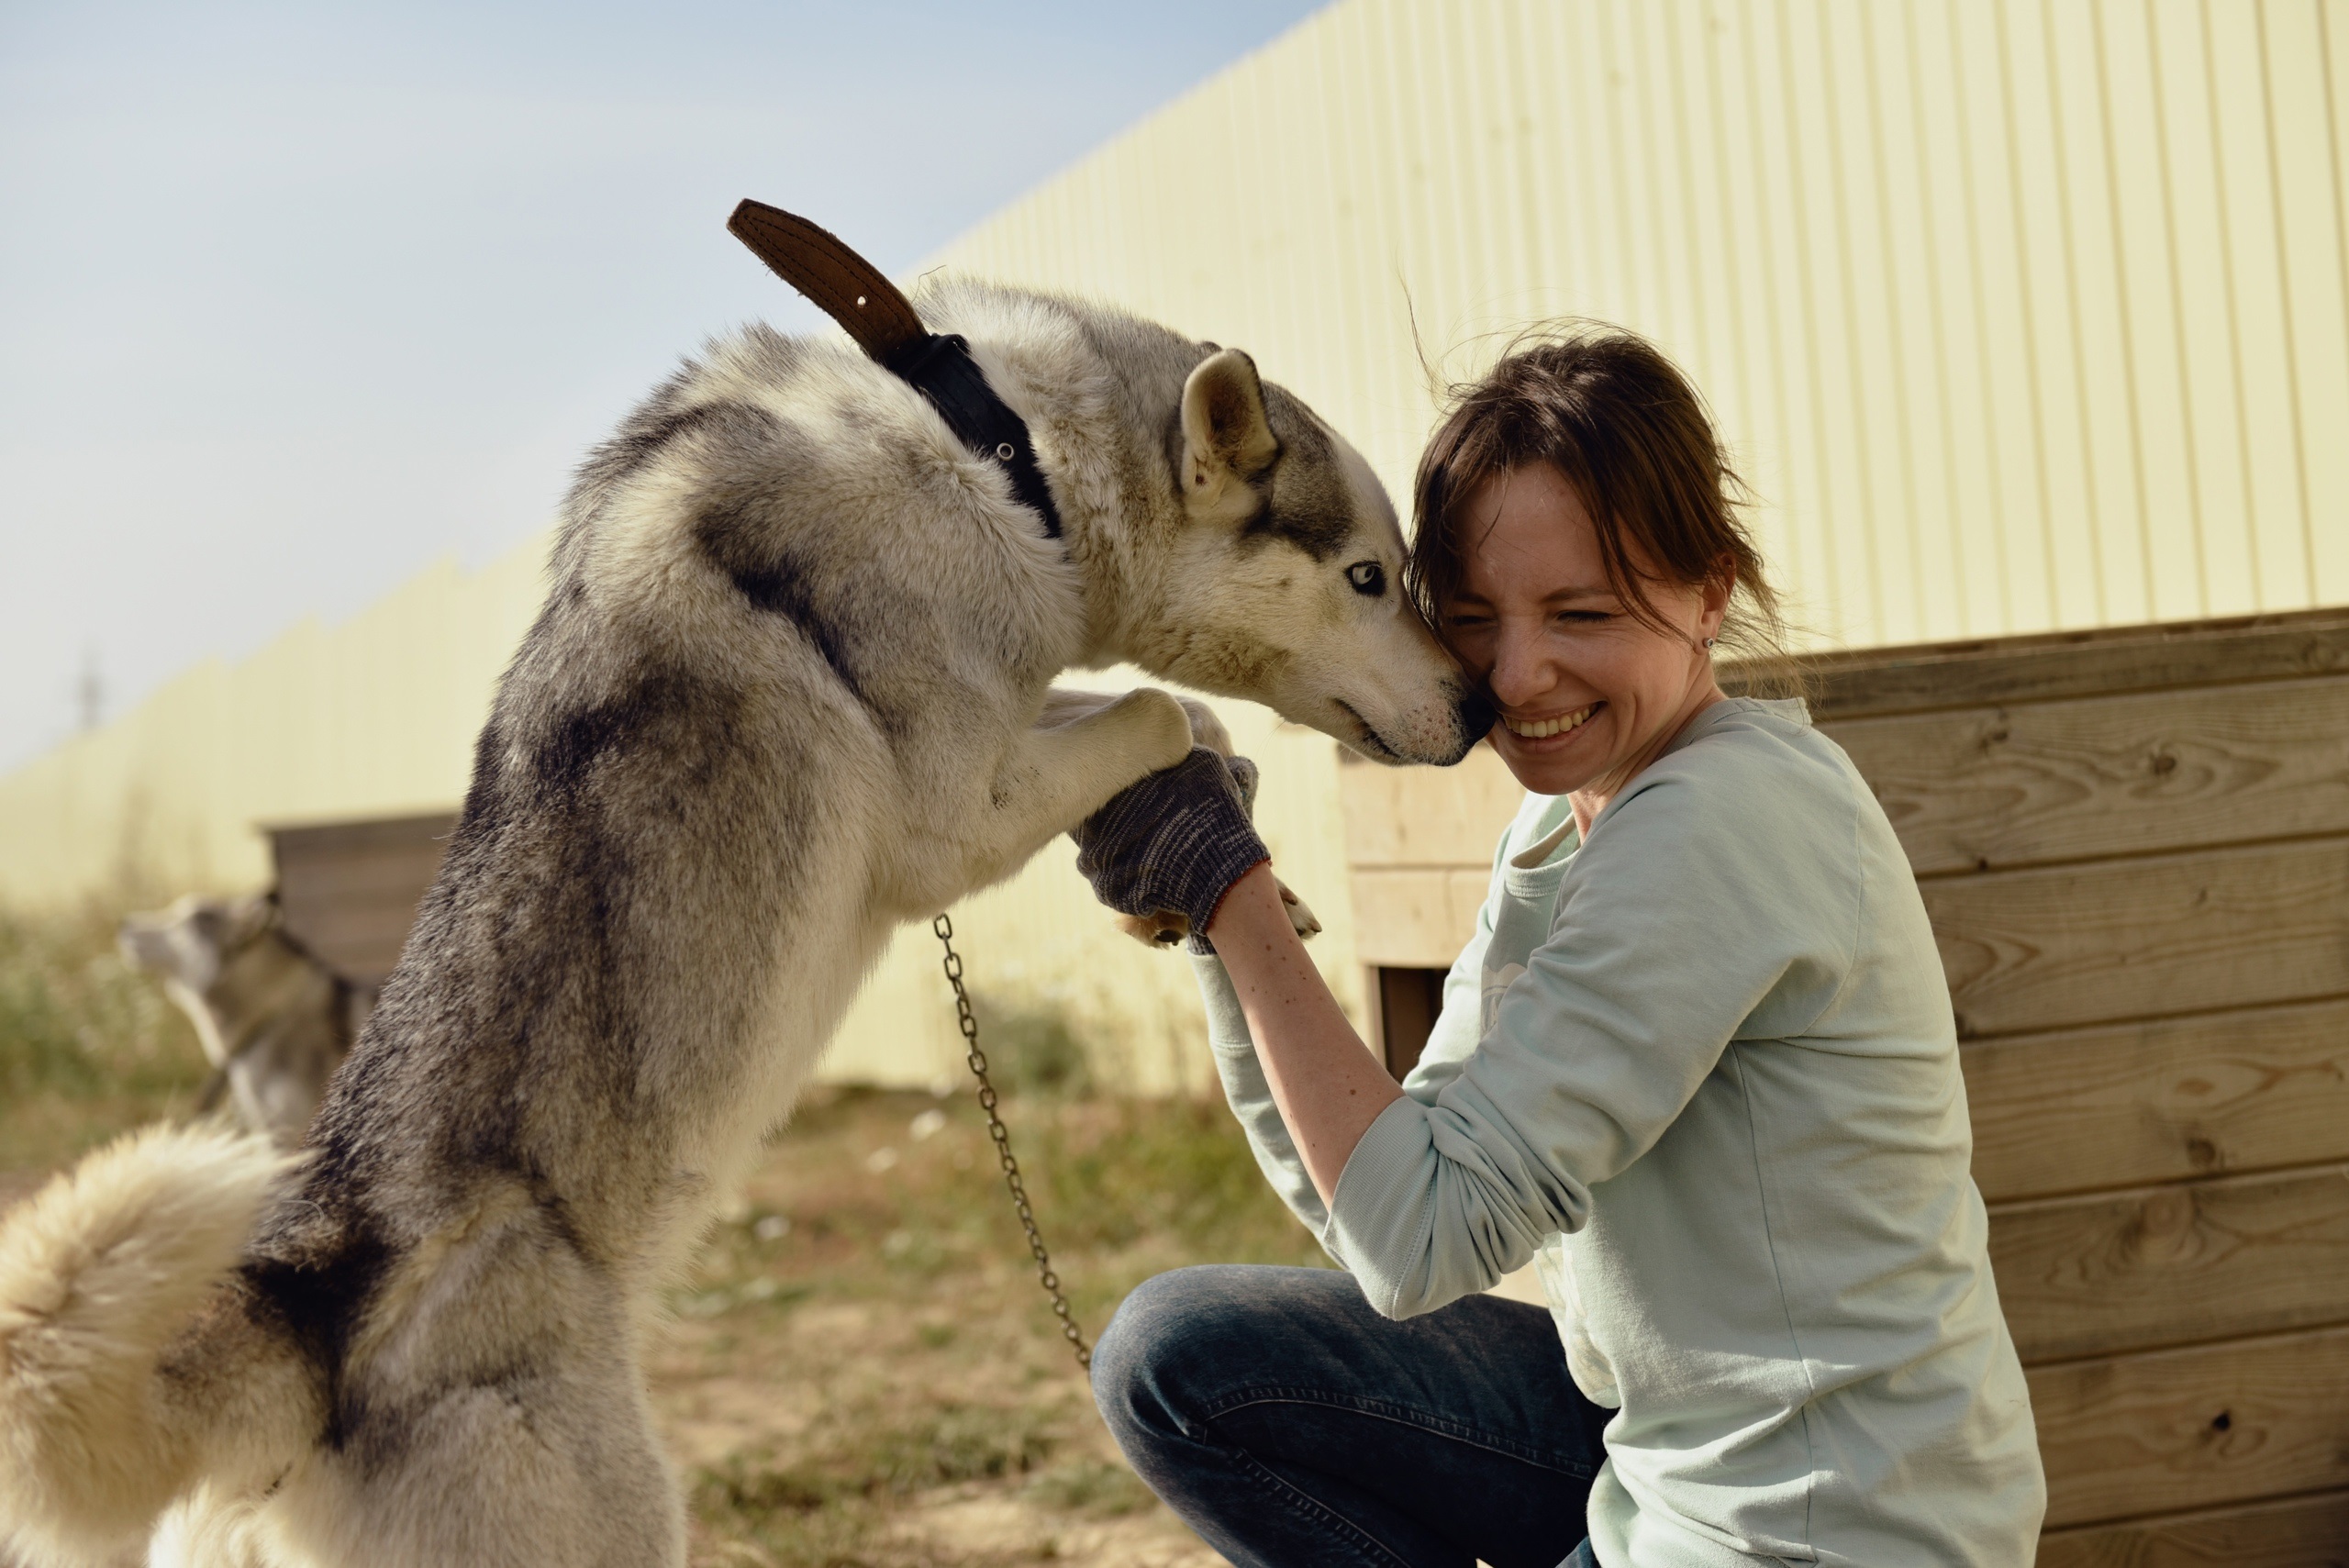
(1293, 1427)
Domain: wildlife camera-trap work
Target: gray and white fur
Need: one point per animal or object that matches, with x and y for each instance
(790, 689)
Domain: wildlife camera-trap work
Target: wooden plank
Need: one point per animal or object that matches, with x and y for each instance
(2133, 1104)
(1418, 918)
(2058, 946)
(307, 840)
(2168, 1431)
(394, 881)
(361, 861)
(2210, 1260)
(1992, 788)
(362, 943)
(1427, 816)
(349, 889)
(2294, 1532)
(1924, 676)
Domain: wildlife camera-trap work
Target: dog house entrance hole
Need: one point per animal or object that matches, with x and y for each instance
(1408, 1001)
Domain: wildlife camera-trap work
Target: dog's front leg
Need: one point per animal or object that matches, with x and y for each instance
(1066, 767)
(1064, 704)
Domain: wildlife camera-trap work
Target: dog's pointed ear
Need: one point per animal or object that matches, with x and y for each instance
(244, 919)
(1228, 444)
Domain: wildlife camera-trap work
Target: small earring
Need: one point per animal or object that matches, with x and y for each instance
(1708, 644)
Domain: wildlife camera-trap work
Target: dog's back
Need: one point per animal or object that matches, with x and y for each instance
(756, 684)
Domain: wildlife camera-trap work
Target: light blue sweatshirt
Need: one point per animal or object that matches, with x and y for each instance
(1701, 1071)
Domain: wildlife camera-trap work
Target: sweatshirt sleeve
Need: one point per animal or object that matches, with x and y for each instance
(1251, 1097)
(1695, 899)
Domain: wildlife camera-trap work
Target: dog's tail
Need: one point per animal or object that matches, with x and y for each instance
(100, 1274)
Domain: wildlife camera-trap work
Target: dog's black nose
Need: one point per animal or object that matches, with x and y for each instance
(1476, 716)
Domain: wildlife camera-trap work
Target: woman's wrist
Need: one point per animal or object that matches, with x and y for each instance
(1240, 908)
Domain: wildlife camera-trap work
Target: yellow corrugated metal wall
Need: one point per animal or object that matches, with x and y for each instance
(375, 717)
(2021, 314)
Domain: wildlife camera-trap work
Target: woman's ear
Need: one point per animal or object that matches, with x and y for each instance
(1719, 588)
(1228, 444)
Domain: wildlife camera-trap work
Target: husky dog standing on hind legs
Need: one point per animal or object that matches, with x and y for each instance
(790, 690)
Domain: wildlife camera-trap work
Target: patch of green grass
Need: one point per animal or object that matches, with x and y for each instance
(757, 1516)
(88, 1047)
(1121, 1189)
(865, 1455)
(923, 1320)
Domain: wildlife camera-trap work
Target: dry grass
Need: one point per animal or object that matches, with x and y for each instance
(862, 1372)
(88, 1047)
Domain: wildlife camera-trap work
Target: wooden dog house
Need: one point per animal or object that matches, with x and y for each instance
(349, 890)
(2135, 847)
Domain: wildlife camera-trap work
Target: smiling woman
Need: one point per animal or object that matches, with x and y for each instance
(1697, 1067)
(1579, 530)
(1579, 548)
(1590, 680)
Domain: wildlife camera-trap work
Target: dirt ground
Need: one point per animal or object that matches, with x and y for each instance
(862, 1372)
(867, 1374)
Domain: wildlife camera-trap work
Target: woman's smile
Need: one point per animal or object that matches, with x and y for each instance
(1561, 728)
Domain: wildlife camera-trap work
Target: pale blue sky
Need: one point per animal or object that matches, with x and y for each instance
(295, 299)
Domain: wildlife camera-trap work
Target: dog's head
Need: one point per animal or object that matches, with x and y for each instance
(1283, 586)
(189, 941)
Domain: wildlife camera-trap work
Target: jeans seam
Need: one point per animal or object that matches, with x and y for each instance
(1301, 1502)
(1403, 1415)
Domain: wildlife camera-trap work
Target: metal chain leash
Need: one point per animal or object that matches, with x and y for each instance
(977, 1060)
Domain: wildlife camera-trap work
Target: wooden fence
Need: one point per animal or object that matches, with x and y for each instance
(2135, 847)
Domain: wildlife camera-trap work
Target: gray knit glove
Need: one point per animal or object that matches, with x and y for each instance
(1176, 841)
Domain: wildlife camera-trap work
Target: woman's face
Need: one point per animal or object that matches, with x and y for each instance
(1587, 692)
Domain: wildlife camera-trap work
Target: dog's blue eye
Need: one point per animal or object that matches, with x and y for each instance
(1368, 577)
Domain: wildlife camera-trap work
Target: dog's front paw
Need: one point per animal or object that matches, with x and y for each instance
(1162, 930)
(1207, 729)
(1300, 917)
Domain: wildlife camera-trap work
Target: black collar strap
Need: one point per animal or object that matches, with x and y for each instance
(852, 291)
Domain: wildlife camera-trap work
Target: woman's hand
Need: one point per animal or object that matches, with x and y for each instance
(1175, 843)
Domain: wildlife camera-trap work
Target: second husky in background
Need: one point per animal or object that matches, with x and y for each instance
(273, 1020)
(791, 689)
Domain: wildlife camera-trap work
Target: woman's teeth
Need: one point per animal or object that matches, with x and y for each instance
(1542, 728)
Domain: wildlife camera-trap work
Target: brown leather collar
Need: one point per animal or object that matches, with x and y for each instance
(852, 291)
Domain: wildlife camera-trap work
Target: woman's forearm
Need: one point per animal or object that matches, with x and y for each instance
(1329, 1087)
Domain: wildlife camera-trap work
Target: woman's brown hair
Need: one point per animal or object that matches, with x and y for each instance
(1622, 425)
